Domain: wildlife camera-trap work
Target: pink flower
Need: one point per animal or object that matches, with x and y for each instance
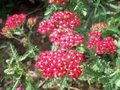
(19, 88)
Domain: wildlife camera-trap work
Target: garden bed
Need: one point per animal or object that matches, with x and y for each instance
(65, 45)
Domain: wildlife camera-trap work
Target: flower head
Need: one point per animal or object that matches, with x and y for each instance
(11, 23)
(99, 26)
(59, 63)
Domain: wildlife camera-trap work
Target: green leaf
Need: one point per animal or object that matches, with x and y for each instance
(107, 86)
(118, 51)
(17, 32)
(3, 46)
(117, 16)
(29, 87)
(118, 61)
(114, 29)
(113, 6)
(117, 83)
(21, 58)
(117, 43)
(103, 79)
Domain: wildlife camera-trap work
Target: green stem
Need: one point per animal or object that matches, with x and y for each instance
(30, 46)
(16, 83)
(98, 2)
(16, 38)
(14, 55)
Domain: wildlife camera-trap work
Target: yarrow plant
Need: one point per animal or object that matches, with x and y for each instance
(12, 22)
(60, 63)
(70, 48)
(60, 29)
(95, 40)
(63, 62)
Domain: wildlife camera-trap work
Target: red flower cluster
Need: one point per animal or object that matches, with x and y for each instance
(65, 19)
(45, 26)
(61, 19)
(93, 38)
(60, 29)
(13, 21)
(60, 63)
(101, 46)
(65, 38)
(63, 62)
(60, 2)
(99, 26)
(105, 46)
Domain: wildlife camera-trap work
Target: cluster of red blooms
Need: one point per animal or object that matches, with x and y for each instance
(99, 26)
(105, 46)
(60, 29)
(101, 46)
(59, 2)
(64, 61)
(94, 38)
(65, 38)
(13, 21)
(59, 63)
(61, 19)
(64, 19)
